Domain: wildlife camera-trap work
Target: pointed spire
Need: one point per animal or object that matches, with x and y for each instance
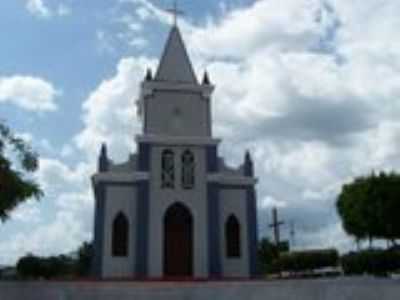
(248, 165)
(103, 151)
(103, 163)
(175, 64)
(206, 79)
(149, 75)
(247, 156)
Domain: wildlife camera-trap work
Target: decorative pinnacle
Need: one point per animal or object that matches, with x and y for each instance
(248, 165)
(103, 151)
(248, 156)
(206, 79)
(149, 75)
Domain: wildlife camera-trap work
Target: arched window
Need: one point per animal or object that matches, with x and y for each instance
(188, 166)
(167, 169)
(120, 238)
(232, 234)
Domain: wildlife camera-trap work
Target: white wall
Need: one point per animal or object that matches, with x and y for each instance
(163, 119)
(119, 199)
(233, 201)
(195, 200)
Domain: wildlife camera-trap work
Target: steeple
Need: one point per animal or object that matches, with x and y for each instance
(175, 65)
(248, 165)
(149, 75)
(103, 162)
(206, 79)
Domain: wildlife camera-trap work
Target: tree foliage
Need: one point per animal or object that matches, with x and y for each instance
(307, 260)
(57, 267)
(369, 207)
(16, 186)
(267, 253)
(34, 267)
(376, 262)
(85, 257)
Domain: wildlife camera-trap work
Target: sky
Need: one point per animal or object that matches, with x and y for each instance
(311, 87)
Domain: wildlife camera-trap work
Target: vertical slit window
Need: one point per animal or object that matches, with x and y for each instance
(167, 170)
(188, 170)
(232, 233)
(120, 236)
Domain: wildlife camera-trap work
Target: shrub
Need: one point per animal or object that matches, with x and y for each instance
(375, 262)
(33, 267)
(306, 260)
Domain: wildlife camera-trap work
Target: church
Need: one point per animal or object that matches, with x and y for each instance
(175, 209)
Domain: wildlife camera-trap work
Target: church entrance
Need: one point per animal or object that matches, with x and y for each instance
(178, 241)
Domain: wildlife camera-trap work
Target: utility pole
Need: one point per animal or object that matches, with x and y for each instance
(292, 234)
(276, 224)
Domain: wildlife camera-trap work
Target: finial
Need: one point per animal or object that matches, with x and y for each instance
(248, 156)
(149, 75)
(206, 79)
(103, 151)
(103, 159)
(175, 12)
(248, 165)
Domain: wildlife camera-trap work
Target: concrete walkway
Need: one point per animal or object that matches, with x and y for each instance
(329, 289)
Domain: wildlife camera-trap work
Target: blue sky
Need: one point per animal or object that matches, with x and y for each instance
(311, 87)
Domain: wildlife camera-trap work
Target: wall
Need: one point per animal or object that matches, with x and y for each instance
(119, 199)
(233, 201)
(162, 117)
(162, 199)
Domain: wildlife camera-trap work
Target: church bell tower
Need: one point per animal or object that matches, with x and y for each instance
(175, 208)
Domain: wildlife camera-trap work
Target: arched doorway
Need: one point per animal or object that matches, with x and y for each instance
(178, 241)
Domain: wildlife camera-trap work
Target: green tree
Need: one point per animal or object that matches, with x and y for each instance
(267, 253)
(369, 207)
(349, 208)
(17, 163)
(85, 255)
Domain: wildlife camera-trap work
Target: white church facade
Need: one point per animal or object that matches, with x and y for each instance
(174, 208)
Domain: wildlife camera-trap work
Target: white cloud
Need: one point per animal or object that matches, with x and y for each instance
(67, 207)
(29, 93)
(310, 86)
(28, 213)
(61, 235)
(118, 125)
(40, 9)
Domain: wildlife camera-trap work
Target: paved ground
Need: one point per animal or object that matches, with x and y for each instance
(330, 289)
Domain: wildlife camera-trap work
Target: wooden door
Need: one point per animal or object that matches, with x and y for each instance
(178, 242)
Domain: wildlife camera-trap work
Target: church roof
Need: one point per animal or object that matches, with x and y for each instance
(175, 64)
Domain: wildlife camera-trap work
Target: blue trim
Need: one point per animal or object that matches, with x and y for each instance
(233, 186)
(212, 159)
(248, 169)
(213, 207)
(98, 243)
(142, 227)
(252, 230)
(145, 114)
(144, 157)
(122, 184)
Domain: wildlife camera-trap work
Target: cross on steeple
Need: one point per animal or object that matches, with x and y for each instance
(175, 11)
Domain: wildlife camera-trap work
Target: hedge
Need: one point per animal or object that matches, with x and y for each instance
(32, 267)
(375, 262)
(306, 260)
